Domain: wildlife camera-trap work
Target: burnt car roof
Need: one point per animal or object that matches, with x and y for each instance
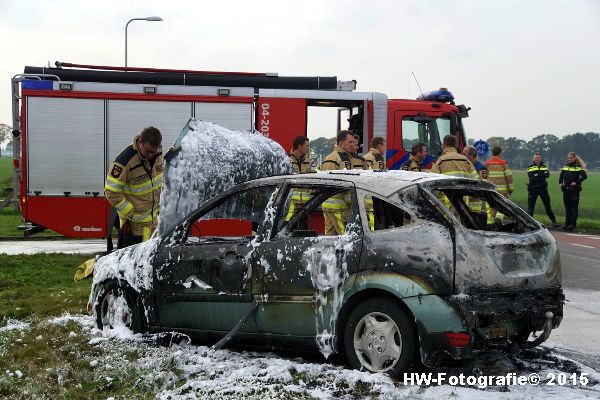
(382, 182)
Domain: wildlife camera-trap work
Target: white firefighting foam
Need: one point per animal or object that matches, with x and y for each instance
(211, 160)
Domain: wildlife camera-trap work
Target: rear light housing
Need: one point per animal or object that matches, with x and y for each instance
(458, 339)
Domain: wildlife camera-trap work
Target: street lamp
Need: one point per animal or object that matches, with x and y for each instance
(137, 19)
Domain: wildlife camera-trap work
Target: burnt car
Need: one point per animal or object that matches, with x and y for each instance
(413, 270)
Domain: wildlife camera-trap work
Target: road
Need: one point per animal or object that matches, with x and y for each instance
(580, 259)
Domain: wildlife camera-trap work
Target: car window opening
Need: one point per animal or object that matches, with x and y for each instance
(485, 210)
(314, 212)
(240, 215)
(383, 215)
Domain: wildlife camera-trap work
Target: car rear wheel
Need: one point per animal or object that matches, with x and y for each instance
(379, 337)
(117, 306)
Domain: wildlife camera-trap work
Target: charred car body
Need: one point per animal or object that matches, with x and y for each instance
(417, 271)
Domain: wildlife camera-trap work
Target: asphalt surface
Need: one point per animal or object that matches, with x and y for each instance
(580, 259)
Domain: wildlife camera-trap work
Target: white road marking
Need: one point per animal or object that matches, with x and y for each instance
(583, 245)
(583, 235)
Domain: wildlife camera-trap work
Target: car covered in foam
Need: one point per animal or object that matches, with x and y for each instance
(415, 273)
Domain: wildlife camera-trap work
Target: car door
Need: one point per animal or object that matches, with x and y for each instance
(299, 271)
(204, 280)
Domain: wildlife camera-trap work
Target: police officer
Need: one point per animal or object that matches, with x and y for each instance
(451, 162)
(374, 157)
(570, 180)
(471, 153)
(300, 156)
(336, 209)
(538, 174)
(418, 152)
(133, 186)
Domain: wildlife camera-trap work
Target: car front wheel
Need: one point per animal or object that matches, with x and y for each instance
(379, 337)
(117, 306)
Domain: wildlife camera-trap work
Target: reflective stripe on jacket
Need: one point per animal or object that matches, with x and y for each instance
(454, 164)
(537, 175)
(500, 175)
(572, 173)
(133, 186)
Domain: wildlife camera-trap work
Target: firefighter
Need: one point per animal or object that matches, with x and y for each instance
(570, 180)
(418, 152)
(451, 162)
(133, 187)
(501, 176)
(336, 209)
(499, 172)
(300, 155)
(477, 205)
(471, 153)
(358, 162)
(300, 159)
(538, 175)
(374, 157)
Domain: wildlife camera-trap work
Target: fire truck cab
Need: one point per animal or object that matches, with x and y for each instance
(73, 120)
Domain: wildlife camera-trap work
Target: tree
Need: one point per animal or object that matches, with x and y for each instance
(322, 146)
(495, 141)
(5, 134)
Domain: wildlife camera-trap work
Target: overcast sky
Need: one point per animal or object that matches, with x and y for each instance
(525, 68)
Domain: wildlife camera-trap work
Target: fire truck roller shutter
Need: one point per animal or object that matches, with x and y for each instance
(127, 118)
(65, 135)
(233, 116)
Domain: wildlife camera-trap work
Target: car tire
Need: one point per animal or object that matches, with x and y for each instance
(379, 337)
(117, 306)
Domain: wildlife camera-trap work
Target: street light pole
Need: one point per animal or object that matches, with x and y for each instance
(137, 19)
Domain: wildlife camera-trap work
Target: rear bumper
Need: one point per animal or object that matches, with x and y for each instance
(501, 316)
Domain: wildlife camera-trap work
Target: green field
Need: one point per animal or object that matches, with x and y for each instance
(589, 207)
(589, 203)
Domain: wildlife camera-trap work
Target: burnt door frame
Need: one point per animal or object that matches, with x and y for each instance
(282, 273)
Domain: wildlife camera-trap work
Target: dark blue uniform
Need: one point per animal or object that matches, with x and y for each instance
(570, 180)
(538, 186)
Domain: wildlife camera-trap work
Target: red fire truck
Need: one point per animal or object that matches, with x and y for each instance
(74, 119)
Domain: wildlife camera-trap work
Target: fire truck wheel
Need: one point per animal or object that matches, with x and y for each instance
(379, 337)
(117, 306)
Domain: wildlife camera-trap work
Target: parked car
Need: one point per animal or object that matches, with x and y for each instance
(415, 272)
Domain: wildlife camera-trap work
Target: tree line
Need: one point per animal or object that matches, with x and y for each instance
(519, 152)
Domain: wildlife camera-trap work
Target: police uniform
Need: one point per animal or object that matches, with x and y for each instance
(374, 160)
(336, 209)
(538, 186)
(133, 187)
(412, 165)
(570, 180)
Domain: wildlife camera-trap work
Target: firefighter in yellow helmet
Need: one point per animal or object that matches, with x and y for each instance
(133, 187)
(374, 157)
(336, 209)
